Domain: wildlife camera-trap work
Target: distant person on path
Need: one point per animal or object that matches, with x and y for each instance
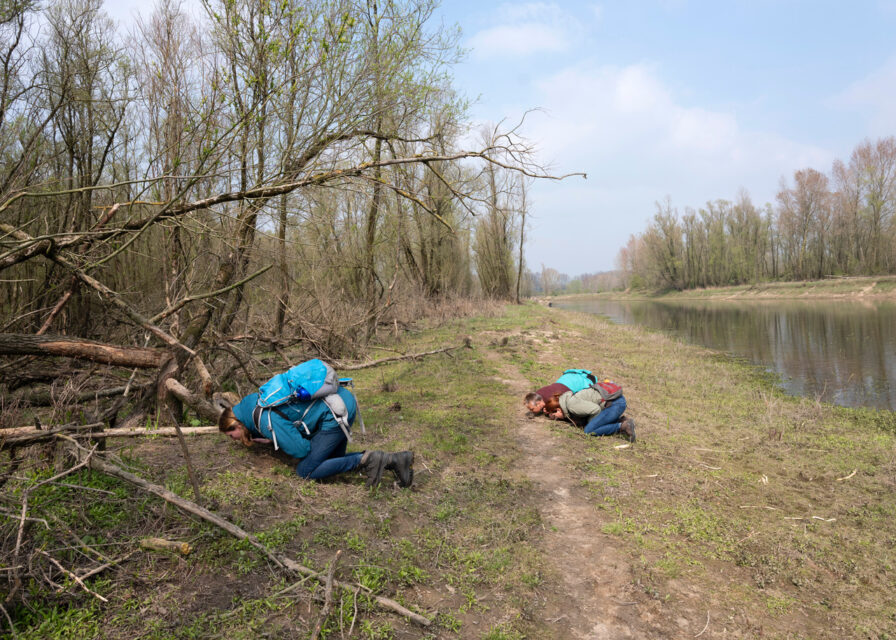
(574, 397)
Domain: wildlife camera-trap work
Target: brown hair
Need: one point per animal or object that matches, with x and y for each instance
(227, 422)
(552, 404)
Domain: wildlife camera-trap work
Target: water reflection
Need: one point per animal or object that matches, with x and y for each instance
(843, 351)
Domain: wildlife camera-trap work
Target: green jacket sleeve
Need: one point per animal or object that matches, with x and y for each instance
(582, 405)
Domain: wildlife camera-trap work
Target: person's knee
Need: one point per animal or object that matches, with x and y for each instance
(305, 470)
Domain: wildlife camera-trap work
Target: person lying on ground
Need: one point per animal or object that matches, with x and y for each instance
(571, 380)
(308, 431)
(589, 409)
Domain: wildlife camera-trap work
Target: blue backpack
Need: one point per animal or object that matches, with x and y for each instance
(577, 379)
(307, 381)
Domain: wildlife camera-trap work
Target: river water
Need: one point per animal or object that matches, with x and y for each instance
(842, 351)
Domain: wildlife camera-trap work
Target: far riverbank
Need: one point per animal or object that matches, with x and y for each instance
(830, 288)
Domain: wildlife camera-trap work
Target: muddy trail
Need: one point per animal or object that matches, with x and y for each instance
(590, 594)
(594, 590)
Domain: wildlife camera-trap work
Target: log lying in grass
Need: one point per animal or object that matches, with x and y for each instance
(31, 435)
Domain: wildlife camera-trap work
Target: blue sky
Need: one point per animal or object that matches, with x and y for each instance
(693, 100)
(686, 99)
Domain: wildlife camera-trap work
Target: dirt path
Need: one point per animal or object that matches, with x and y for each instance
(592, 598)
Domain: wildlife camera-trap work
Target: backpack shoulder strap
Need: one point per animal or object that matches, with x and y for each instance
(337, 407)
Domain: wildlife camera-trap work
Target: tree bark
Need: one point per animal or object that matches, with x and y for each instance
(56, 345)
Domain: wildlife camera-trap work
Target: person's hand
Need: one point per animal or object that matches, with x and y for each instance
(557, 415)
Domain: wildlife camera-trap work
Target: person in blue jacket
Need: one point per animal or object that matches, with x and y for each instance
(310, 432)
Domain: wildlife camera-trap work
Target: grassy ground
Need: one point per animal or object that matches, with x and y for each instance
(756, 514)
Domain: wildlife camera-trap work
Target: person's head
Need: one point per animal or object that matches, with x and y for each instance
(534, 402)
(551, 405)
(227, 423)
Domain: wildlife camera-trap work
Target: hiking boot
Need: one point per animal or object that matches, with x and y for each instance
(401, 464)
(372, 465)
(627, 428)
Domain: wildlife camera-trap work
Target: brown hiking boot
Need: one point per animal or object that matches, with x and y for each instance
(627, 428)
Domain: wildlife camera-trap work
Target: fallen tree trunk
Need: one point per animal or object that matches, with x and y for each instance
(281, 561)
(56, 345)
(19, 436)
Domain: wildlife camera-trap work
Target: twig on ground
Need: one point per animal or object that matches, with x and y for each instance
(704, 626)
(74, 577)
(351, 627)
(753, 506)
(17, 578)
(328, 597)
(103, 567)
(12, 628)
(847, 477)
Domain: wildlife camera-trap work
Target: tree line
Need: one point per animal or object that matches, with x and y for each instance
(840, 223)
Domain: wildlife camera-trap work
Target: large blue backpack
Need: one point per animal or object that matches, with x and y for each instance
(577, 379)
(308, 380)
(305, 382)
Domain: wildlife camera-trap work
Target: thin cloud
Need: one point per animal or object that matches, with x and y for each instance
(627, 114)
(525, 29)
(872, 97)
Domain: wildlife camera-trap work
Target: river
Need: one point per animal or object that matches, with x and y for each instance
(841, 351)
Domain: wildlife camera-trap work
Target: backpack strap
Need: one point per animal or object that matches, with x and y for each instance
(337, 407)
(256, 418)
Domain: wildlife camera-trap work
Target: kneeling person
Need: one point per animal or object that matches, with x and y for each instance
(310, 432)
(600, 417)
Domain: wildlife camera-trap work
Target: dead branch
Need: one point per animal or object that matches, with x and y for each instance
(411, 356)
(328, 597)
(56, 345)
(174, 308)
(45, 398)
(73, 577)
(32, 435)
(59, 305)
(207, 385)
(202, 406)
(187, 461)
(85, 458)
(281, 561)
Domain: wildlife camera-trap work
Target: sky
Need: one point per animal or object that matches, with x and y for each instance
(688, 100)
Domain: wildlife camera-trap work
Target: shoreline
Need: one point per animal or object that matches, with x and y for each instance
(863, 287)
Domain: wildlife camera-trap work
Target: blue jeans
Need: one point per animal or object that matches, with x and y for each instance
(606, 423)
(327, 456)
